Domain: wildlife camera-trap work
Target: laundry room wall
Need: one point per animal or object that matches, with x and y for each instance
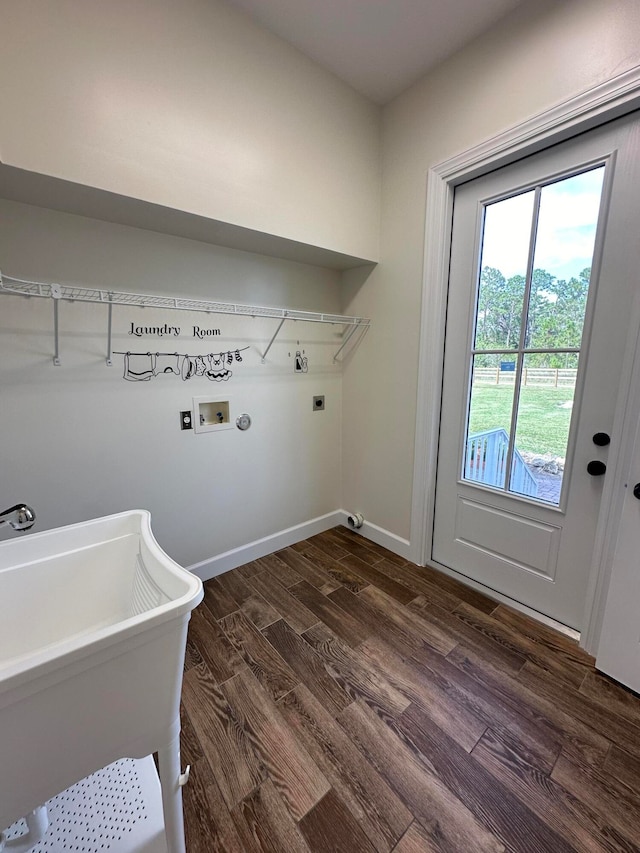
(193, 106)
(80, 441)
(539, 55)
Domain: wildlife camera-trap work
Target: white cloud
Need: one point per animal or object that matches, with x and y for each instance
(566, 228)
(507, 230)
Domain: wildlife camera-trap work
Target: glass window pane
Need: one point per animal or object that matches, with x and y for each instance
(542, 431)
(562, 260)
(487, 443)
(505, 250)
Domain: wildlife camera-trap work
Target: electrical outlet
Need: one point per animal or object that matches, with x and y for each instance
(318, 404)
(186, 420)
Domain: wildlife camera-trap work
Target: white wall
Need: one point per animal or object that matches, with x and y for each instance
(193, 106)
(78, 441)
(540, 55)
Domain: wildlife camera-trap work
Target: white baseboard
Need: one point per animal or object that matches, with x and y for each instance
(267, 545)
(222, 563)
(399, 546)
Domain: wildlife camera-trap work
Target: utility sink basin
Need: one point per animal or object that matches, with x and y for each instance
(93, 621)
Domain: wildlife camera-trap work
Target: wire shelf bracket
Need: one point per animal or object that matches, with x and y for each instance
(62, 292)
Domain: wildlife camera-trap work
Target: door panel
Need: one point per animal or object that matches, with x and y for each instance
(522, 543)
(535, 545)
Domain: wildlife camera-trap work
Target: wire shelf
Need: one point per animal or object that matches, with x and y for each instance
(23, 287)
(57, 292)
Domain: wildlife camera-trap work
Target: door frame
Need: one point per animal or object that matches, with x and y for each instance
(590, 109)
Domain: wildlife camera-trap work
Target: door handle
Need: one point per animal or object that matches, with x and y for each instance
(601, 439)
(636, 491)
(596, 468)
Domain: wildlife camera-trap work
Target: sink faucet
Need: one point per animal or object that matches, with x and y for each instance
(20, 517)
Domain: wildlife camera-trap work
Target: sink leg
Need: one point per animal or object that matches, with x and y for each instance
(169, 771)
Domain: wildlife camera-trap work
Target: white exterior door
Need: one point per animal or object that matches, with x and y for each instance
(619, 648)
(543, 263)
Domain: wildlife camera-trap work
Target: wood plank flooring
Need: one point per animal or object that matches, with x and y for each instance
(340, 700)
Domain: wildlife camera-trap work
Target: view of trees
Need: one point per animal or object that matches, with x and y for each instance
(555, 317)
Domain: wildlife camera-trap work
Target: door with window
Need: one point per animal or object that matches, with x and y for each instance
(544, 260)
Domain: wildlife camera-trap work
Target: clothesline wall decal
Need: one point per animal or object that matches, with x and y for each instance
(144, 366)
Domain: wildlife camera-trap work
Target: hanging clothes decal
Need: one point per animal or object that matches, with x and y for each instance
(138, 366)
(218, 371)
(166, 364)
(143, 366)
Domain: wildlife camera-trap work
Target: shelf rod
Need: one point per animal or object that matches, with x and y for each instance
(275, 335)
(352, 330)
(56, 337)
(109, 322)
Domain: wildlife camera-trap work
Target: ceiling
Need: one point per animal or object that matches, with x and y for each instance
(380, 47)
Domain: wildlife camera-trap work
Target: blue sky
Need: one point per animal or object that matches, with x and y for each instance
(566, 227)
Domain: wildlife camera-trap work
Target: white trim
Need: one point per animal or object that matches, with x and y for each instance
(388, 540)
(430, 362)
(627, 414)
(221, 563)
(596, 106)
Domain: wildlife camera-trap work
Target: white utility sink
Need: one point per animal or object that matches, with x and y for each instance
(93, 622)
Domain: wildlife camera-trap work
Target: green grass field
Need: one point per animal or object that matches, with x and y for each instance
(543, 424)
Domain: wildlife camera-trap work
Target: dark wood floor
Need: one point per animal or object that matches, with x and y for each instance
(338, 699)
